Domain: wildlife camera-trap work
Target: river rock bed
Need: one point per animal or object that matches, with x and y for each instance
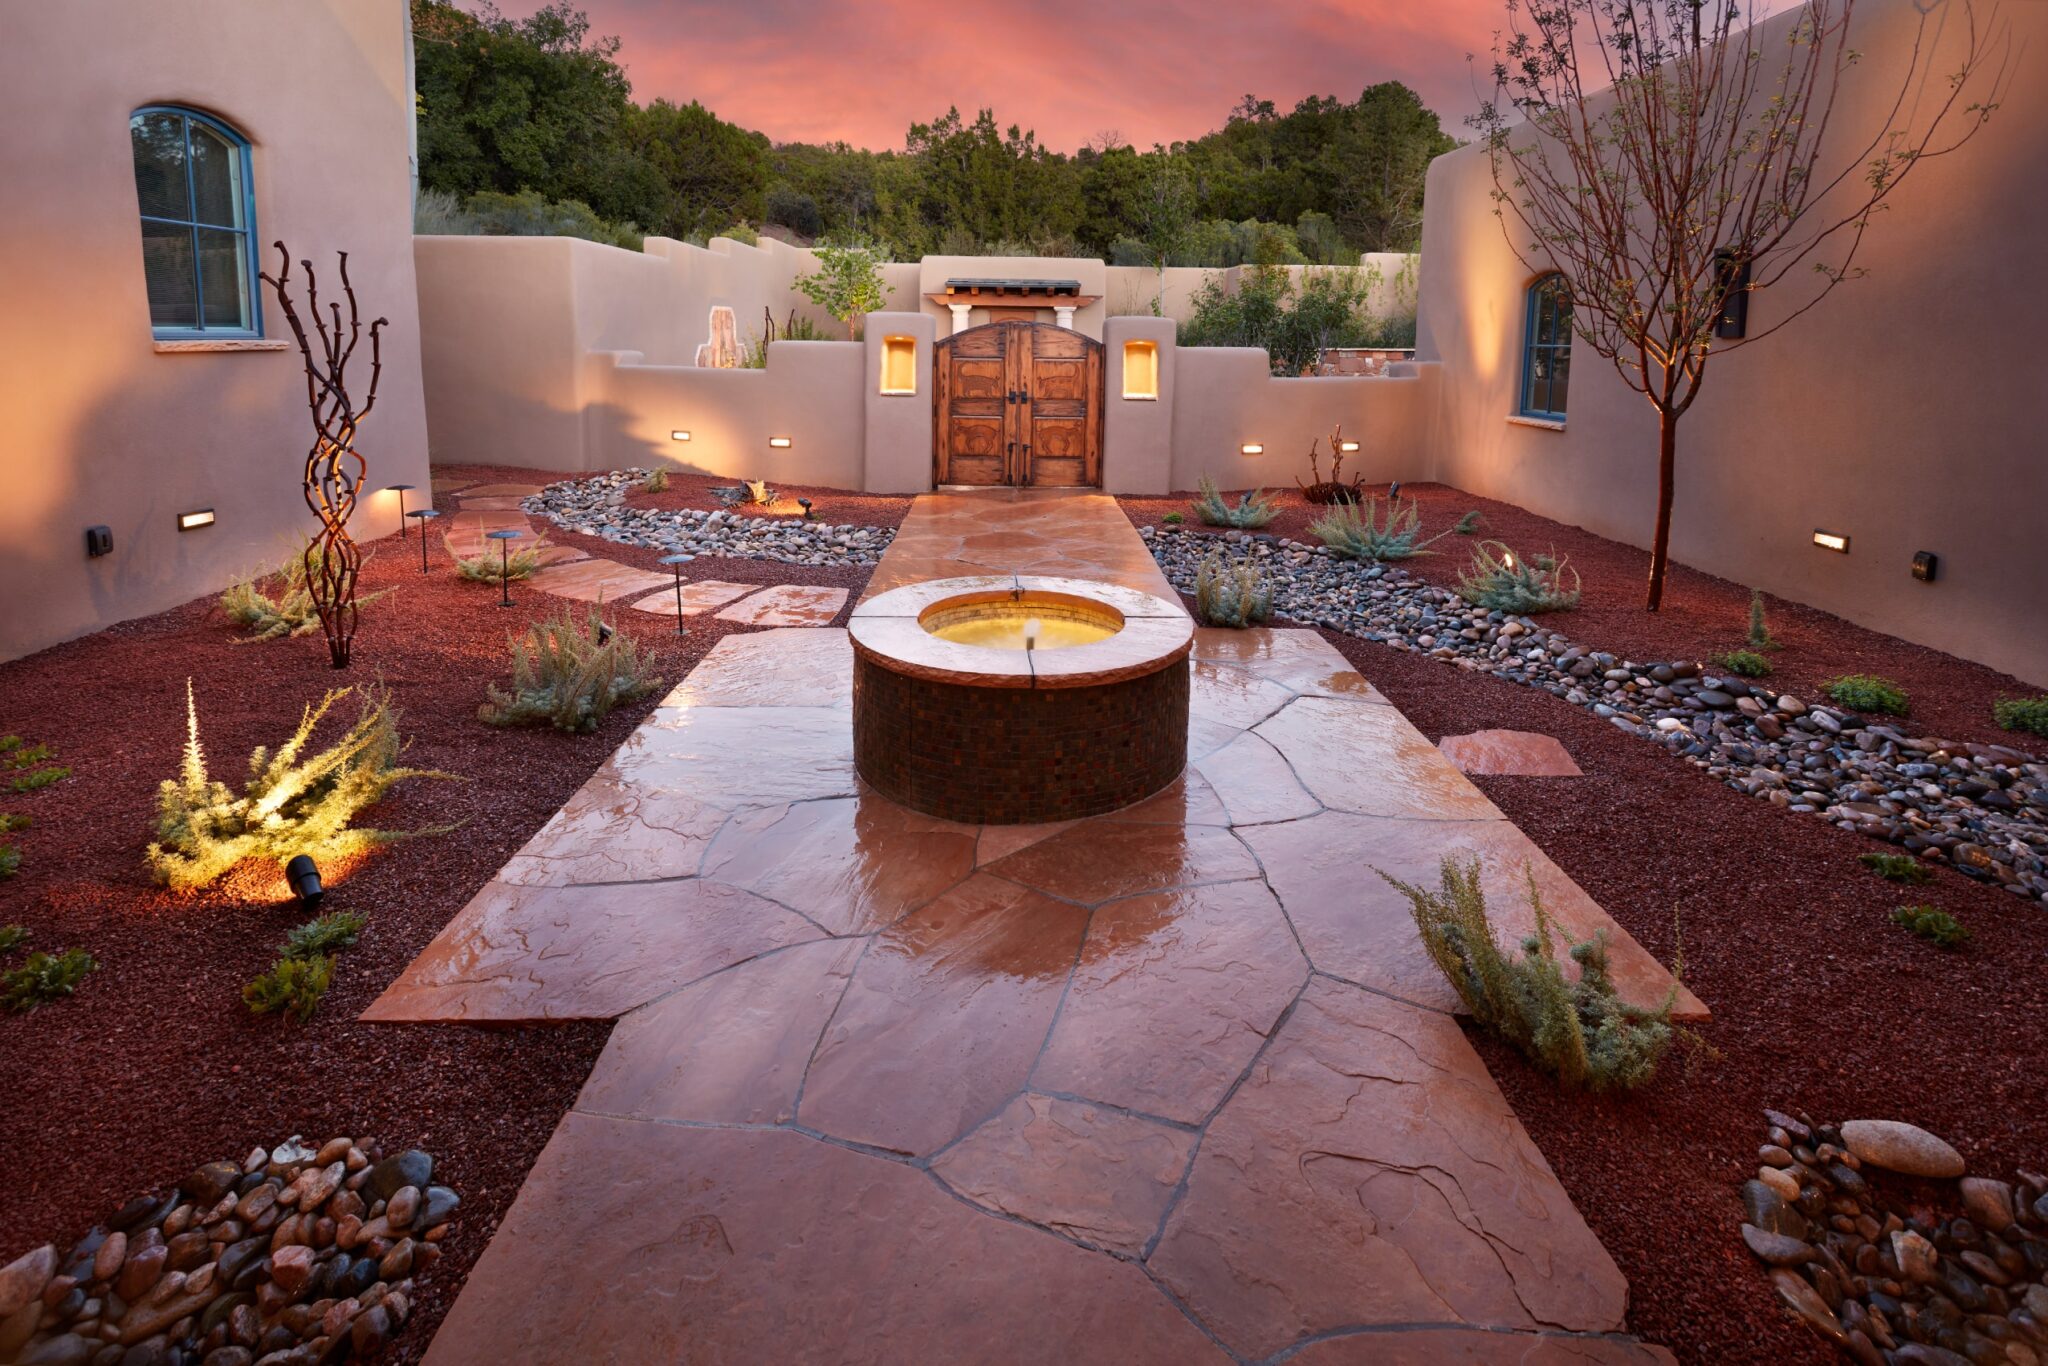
(1872, 1266)
(1983, 809)
(597, 507)
(292, 1256)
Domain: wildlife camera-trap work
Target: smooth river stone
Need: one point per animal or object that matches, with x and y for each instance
(1900, 1147)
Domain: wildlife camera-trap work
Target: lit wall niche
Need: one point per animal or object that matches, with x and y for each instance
(1141, 369)
(899, 365)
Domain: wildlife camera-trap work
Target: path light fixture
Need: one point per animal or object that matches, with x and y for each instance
(401, 490)
(304, 875)
(805, 504)
(423, 516)
(678, 561)
(504, 538)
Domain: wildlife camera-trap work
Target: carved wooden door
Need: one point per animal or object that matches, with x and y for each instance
(1019, 404)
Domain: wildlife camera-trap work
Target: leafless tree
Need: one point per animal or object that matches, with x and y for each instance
(1666, 156)
(334, 469)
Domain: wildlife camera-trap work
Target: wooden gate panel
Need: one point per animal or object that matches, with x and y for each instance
(1018, 403)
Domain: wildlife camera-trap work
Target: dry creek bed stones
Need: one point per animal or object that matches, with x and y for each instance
(597, 507)
(1868, 1262)
(298, 1255)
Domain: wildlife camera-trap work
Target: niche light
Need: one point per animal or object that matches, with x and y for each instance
(780, 443)
(1828, 540)
(899, 366)
(679, 435)
(1141, 370)
(1252, 448)
(192, 521)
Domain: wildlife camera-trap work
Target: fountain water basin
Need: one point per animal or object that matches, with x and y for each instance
(1014, 699)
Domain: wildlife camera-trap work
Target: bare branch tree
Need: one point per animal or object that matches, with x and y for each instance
(334, 470)
(1664, 156)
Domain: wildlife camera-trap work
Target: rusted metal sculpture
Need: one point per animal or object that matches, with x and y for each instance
(334, 469)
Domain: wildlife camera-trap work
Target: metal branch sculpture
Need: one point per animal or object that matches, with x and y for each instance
(334, 469)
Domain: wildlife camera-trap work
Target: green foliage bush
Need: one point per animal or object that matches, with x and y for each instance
(1759, 629)
(28, 767)
(848, 281)
(1255, 509)
(1501, 581)
(1362, 534)
(655, 482)
(1291, 322)
(2022, 713)
(1173, 519)
(494, 566)
(1581, 1032)
(293, 986)
(1937, 927)
(11, 937)
(1747, 663)
(292, 803)
(290, 613)
(1231, 592)
(1897, 867)
(44, 978)
(527, 213)
(10, 861)
(324, 935)
(1468, 525)
(1867, 692)
(568, 676)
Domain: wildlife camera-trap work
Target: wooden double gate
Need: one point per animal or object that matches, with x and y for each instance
(1019, 403)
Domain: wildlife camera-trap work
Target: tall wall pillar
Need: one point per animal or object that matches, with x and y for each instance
(897, 402)
(1137, 405)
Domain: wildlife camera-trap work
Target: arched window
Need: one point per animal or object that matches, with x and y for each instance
(198, 224)
(1546, 348)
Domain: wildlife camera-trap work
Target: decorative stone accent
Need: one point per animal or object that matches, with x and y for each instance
(291, 1256)
(597, 507)
(1511, 753)
(1873, 1267)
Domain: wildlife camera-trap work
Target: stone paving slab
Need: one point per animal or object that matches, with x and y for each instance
(1514, 753)
(791, 604)
(597, 581)
(699, 597)
(1173, 1084)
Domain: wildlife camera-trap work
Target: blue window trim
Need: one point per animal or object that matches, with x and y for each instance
(250, 252)
(1525, 404)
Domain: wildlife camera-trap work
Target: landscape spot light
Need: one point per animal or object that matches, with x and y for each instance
(1925, 564)
(679, 435)
(780, 443)
(304, 875)
(504, 539)
(1828, 540)
(1393, 490)
(678, 560)
(192, 521)
(1252, 448)
(423, 516)
(401, 490)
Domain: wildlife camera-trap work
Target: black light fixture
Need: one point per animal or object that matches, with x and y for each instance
(401, 490)
(1393, 491)
(504, 538)
(1925, 565)
(677, 561)
(805, 504)
(423, 516)
(304, 876)
(99, 540)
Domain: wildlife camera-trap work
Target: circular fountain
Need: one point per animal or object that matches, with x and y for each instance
(1016, 699)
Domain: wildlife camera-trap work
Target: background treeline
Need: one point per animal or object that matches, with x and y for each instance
(536, 116)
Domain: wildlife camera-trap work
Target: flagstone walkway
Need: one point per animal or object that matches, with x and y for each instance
(1177, 1084)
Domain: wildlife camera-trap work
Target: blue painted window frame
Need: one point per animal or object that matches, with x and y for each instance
(246, 227)
(1545, 292)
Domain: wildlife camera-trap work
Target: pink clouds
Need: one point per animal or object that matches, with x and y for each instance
(1151, 70)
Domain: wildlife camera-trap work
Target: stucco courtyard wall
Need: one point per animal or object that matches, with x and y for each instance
(101, 427)
(1902, 412)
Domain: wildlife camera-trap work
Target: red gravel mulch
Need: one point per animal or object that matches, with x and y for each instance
(155, 1066)
(1819, 1003)
(1702, 616)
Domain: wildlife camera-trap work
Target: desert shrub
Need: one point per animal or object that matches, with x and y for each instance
(1173, 519)
(324, 935)
(1501, 582)
(28, 767)
(1867, 692)
(755, 492)
(1231, 593)
(2022, 713)
(291, 985)
(495, 565)
(1581, 1032)
(1937, 927)
(43, 978)
(1253, 510)
(1293, 322)
(802, 329)
(1335, 489)
(529, 213)
(292, 803)
(568, 676)
(1468, 525)
(11, 937)
(1747, 663)
(1759, 629)
(655, 482)
(743, 233)
(10, 861)
(1357, 534)
(1897, 867)
(290, 613)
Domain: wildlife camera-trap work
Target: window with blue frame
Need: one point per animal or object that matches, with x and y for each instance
(1546, 349)
(198, 224)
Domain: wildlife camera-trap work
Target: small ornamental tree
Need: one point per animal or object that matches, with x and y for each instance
(1676, 154)
(848, 281)
(1166, 213)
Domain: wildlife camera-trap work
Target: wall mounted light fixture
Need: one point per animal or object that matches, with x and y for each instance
(1925, 565)
(1347, 447)
(679, 435)
(192, 521)
(1251, 448)
(780, 443)
(1828, 540)
(99, 540)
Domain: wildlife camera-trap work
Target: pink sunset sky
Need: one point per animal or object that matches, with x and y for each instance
(1150, 70)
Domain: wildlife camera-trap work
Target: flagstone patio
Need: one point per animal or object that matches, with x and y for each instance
(1174, 1084)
